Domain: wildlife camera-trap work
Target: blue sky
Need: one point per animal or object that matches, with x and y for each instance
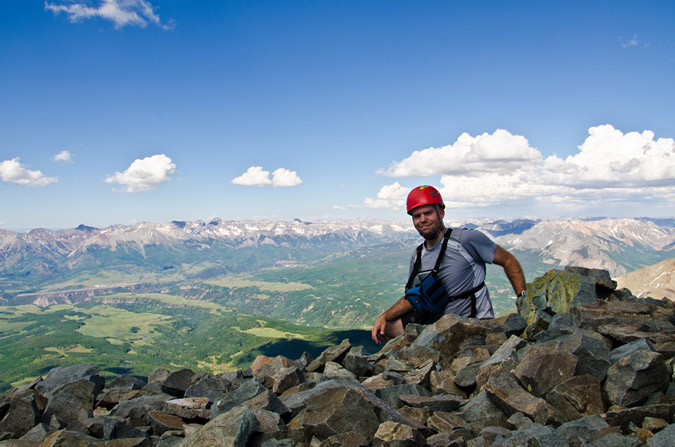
(121, 111)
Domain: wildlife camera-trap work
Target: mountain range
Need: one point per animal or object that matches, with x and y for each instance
(324, 274)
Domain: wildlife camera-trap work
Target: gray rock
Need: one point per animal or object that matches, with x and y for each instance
(641, 344)
(248, 390)
(514, 324)
(481, 412)
(230, 429)
(332, 354)
(116, 428)
(70, 401)
(543, 368)
(63, 375)
(391, 394)
(210, 387)
(21, 414)
(434, 403)
(357, 363)
(616, 440)
(583, 431)
(577, 397)
(505, 392)
(634, 377)
(664, 438)
(395, 434)
(177, 383)
(38, 433)
(339, 410)
(125, 381)
(534, 434)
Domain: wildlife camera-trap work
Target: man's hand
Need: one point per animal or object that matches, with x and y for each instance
(379, 328)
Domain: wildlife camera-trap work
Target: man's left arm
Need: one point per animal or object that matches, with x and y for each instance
(512, 269)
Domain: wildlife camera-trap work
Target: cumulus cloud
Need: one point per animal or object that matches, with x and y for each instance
(609, 166)
(497, 152)
(144, 174)
(14, 172)
(63, 157)
(283, 178)
(257, 176)
(254, 176)
(390, 196)
(120, 12)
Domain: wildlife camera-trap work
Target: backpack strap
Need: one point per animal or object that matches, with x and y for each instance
(418, 259)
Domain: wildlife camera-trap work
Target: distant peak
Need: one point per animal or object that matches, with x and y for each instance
(83, 227)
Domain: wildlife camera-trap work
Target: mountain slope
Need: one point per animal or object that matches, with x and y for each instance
(656, 281)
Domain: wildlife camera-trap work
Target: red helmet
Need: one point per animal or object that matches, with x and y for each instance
(423, 195)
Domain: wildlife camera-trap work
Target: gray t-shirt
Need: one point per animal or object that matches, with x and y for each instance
(462, 269)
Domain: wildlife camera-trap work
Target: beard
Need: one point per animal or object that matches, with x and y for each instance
(431, 232)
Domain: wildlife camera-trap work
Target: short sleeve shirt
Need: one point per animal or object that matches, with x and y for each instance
(462, 269)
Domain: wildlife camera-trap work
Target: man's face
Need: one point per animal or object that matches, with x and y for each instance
(426, 220)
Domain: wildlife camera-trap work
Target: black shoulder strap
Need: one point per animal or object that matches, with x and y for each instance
(446, 237)
(416, 266)
(418, 258)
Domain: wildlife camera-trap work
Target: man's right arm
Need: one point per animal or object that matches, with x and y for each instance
(395, 312)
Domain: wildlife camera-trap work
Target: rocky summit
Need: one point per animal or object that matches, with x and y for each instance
(580, 363)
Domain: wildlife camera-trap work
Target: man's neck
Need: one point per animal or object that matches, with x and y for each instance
(429, 244)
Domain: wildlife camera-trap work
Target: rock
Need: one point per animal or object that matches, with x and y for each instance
(349, 439)
(63, 375)
(339, 410)
(357, 363)
(533, 434)
(230, 429)
(480, 412)
(395, 434)
(69, 401)
(287, 378)
(584, 430)
(116, 428)
(577, 397)
(210, 387)
(332, 354)
(641, 344)
(162, 422)
(177, 383)
(542, 368)
(634, 377)
(664, 438)
(505, 392)
(248, 390)
(265, 368)
(334, 370)
(126, 382)
(434, 403)
(22, 414)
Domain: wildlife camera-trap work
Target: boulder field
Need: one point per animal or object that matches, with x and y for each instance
(580, 363)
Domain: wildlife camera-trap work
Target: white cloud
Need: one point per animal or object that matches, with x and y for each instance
(13, 172)
(630, 43)
(120, 12)
(610, 166)
(390, 196)
(283, 178)
(257, 176)
(63, 157)
(254, 176)
(497, 152)
(144, 174)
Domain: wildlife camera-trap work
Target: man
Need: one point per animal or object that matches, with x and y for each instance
(461, 270)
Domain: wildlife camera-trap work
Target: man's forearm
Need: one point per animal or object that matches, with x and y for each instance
(514, 272)
(400, 308)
